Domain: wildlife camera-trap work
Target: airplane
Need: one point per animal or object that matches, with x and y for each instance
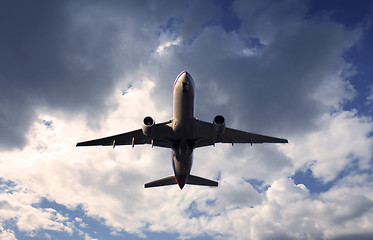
(183, 133)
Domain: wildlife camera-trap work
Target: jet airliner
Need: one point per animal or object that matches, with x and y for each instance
(183, 133)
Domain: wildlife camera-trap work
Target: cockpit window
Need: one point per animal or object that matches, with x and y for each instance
(185, 87)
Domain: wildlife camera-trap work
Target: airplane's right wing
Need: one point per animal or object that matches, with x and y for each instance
(206, 136)
(162, 137)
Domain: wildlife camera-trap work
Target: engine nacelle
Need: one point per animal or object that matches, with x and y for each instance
(148, 126)
(219, 125)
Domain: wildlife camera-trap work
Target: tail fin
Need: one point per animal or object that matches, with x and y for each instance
(194, 180)
(161, 182)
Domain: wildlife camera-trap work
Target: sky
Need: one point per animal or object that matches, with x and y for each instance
(77, 70)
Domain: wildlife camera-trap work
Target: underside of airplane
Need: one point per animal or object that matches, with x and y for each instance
(182, 134)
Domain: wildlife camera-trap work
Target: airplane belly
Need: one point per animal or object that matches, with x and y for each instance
(182, 164)
(183, 108)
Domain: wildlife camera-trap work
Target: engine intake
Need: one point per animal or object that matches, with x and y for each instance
(148, 126)
(219, 125)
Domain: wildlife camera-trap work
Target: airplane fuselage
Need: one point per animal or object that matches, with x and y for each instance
(183, 126)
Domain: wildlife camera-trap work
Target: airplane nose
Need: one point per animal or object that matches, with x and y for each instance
(187, 77)
(184, 77)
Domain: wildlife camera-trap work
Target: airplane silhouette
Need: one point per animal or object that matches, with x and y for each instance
(183, 133)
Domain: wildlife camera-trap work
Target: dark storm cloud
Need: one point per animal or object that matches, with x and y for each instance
(45, 60)
(57, 56)
(68, 55)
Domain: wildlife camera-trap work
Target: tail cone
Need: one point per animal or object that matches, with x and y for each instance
(181, 182)
(181, 185)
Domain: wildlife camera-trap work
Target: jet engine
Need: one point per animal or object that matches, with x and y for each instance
(219, 125)
(148, 126)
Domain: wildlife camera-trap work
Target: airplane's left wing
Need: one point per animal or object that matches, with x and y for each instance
(206, 136)
(162, 137)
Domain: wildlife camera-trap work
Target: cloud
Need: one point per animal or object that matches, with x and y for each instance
(16, 206)
(7, 234)
(46, 67)
(314, 217)
(342, 140)
(279, 73)
(161, 48)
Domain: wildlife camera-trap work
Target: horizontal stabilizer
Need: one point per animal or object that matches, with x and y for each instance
(161, 182)
(194, 180)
